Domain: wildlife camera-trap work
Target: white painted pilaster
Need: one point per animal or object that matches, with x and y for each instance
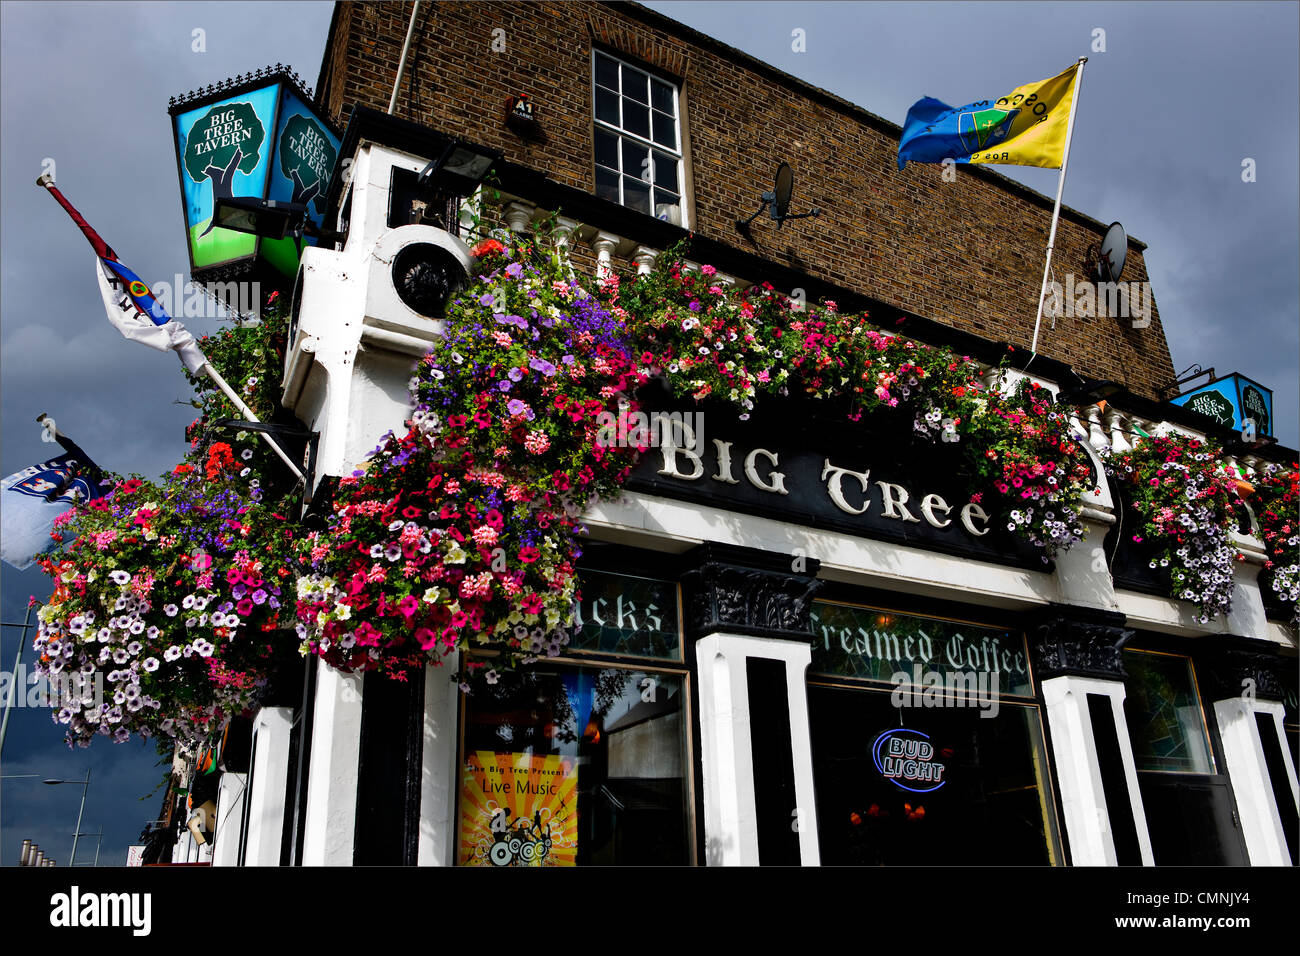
(1083, 800)
(332, 775)
(231, 793)
(439, 773)
(1082, 573)
(1246, 617)
(272, 731)
(730, 820)
(1261, 824)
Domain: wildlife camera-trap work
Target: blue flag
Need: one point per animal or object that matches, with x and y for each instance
(26, 517)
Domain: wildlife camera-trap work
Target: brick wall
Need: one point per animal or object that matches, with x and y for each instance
(967, 253)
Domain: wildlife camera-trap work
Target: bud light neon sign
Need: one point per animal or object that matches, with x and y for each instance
(906, 757)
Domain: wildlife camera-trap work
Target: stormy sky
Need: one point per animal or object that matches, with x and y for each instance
(1180, 96)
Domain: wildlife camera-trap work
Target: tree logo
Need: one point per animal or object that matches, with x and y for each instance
(226, 138)
(1254, 406)
(307, 158)
(1213, 405)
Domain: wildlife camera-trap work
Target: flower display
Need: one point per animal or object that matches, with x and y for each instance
(1276, 499)
(172, 598)
(711, 341)
(1183, 494)
(1022, 446)
(464, 529)
(166, 598)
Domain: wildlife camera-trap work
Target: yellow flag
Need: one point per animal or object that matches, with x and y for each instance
(1041, 114)
(1024, 128)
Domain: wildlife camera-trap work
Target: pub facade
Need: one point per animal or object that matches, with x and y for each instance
(800, 642)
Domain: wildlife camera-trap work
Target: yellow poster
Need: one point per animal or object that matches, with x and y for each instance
(518, 810)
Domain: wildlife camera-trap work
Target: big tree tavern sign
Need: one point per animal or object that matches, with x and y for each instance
(802, 462)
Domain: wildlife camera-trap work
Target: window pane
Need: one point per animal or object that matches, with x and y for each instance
(565, 766)
(1163, 714)
(622, 614)
(665, 130)
(663, 200)
(606, 184)
(665, 176)
(884, 800)
(636, 118)
(634, 159)
(606, 106)
(661, 96)
(606, 72)
(606, 149)
(636, 194)
(635, 84)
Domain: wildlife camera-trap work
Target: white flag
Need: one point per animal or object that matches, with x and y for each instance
(138, 327)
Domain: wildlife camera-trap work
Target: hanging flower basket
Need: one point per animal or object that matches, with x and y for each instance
(463, 532)
(1182, 493)
(167, 605)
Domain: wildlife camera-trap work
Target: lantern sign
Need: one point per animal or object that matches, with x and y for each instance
(1231, 401)
(252, 138)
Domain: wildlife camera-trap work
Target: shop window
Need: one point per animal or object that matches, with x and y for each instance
(565, 766)
(585, 762)
(1189, 807)
(927, 743)
(638, 143)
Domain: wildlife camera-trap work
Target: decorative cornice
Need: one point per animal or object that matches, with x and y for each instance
(1080, 643)
(279, 71)
(1241, 667)
(747, 592)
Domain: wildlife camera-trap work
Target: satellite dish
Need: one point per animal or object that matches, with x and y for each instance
(784, 189)
(1113, 252)
(777, 201)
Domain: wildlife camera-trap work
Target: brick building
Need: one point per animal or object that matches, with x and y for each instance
(967, 255)
(753, 719)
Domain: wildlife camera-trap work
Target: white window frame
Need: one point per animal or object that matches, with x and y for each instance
(620, 133)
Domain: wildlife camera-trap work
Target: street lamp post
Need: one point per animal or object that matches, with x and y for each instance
(76, 834)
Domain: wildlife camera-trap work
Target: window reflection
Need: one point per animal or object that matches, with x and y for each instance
(566, 766)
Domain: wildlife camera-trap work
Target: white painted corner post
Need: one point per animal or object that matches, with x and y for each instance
(231, 794)
(1078, 655)
(439, 776)
(330, 826)
(272, 732)
(1246, 686)
(724, 599)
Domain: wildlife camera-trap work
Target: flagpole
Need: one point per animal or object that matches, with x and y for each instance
(401, 65)
(247, 412)
(1056, 212)
(104, 251)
